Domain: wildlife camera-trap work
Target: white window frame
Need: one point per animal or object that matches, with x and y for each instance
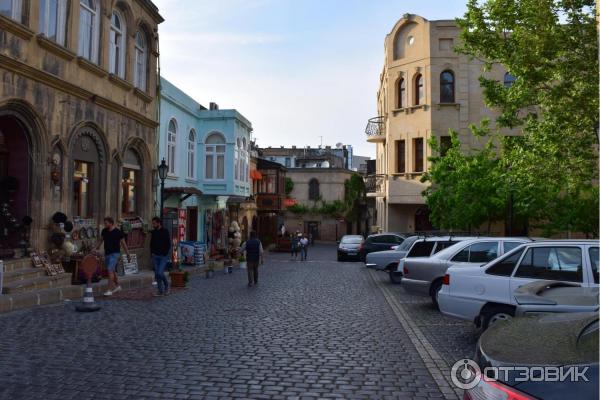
(95, 32)
(238, 161)
(61, 18)
(117, 48)
(172, 147)
(16, 10)
(246, 162)
(141, 61)
(211, 149)
(191, 153)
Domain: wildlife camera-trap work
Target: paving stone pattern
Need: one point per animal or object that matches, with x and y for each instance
(318, 329)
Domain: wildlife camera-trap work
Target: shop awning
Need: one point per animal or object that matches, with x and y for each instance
(183, 192)
(255, 175)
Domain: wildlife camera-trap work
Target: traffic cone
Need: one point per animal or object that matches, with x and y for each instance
(89, 304)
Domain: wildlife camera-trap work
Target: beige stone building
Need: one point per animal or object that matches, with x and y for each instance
(426, 88)
(78, 110)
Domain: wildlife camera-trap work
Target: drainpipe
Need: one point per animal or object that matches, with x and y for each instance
(158, 102)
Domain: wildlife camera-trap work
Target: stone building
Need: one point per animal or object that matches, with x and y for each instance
(340, 156)
(426, 88)
(78, 110)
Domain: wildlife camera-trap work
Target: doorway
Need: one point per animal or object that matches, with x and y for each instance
(192, 224)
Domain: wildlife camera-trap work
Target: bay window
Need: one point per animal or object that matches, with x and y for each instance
(215, 157)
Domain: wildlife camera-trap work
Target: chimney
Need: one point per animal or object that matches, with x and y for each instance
(213, 106)
(293, 147)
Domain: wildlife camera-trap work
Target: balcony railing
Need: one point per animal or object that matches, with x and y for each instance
(375, 127)
(375, 183)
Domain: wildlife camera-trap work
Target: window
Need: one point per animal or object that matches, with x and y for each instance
(401, 101)
(117, 45)
(400, 156)
(447, 87)
(246, 161)
(418, 146)
(215, 157)
(483, 252)
(88, 30)
(237, 161)
(313, 189)
(53, 20)
(11, 9)
(191, 155)
(288, 162)
(552, 263)
(445, 145)
(171, 146)
(131, 182)
(421, 249)
(509, 79)
(141, 56)
(594, 258)
(508, 246)
(505, 266)
(443, 245)
(419, 99)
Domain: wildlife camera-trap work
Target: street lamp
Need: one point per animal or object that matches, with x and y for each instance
(163, 168)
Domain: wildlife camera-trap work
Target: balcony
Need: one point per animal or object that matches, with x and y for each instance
(375, 185)
(375, 130)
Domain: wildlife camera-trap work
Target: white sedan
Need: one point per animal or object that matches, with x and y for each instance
(485, 294)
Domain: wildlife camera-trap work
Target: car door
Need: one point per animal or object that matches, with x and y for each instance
(553, 262)
(495, 286)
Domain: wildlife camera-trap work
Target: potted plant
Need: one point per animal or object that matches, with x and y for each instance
(243, 262)
(178, 278)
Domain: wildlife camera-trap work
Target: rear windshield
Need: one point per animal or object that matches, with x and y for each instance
(421, 249)
(408, 242)
(352, 240)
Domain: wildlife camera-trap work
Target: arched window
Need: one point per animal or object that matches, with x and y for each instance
(509, 79)
(53, 15)
(117, 45)
(447, 87)
(141, 59)
(192, 155)
(215, 157)
(401, 94)
(89, 29)
(171, 145)
(11, 9)
(131, 182)
(313, 189)
(419, 90)
(238, 161)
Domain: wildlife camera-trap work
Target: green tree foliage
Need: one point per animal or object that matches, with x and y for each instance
(551, 47)
(289, 186)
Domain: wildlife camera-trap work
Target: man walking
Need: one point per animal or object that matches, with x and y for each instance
(160, 247)
(303, 248)
(254, 255)
(113, 238)
(295, 242)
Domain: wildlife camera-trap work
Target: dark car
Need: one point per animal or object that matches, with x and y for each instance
(381, 242)
(549, 342)
(349, 247)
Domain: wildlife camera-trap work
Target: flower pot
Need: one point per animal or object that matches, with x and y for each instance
(243, 264)
(177, 278)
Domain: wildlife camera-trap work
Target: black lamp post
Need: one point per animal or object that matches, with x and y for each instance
(163, 169)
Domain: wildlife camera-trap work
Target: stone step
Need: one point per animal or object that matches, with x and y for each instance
(16, 264)
(43, 282)
(23, 274)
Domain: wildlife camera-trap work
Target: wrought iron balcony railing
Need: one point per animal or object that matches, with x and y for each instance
(375, 127)
(375, 183)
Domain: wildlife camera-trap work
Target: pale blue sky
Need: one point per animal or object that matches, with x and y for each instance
(297, 69)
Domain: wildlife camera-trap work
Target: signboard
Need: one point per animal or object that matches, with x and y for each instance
(182, 217)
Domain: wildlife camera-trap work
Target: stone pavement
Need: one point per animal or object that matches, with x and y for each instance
(318, 329)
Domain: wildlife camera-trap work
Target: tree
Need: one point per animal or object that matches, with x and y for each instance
(354, 196)
(289, 186)
(551, 47)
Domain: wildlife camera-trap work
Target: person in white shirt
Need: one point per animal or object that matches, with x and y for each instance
(303, 248)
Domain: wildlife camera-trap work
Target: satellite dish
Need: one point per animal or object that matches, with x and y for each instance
(339, 145)
(325, 164)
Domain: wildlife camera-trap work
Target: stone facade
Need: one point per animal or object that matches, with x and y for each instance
(425, 90)
(82, 128)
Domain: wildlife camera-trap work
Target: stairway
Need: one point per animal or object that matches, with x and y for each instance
(20, 277)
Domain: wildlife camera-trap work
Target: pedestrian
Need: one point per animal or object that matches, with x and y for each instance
(160, 247)
(295, 242)
(303, 248)
(113, 239)
(253, 250)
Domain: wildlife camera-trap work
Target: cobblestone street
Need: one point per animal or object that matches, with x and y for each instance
(319, 329)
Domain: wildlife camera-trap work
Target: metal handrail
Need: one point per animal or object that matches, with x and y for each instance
(375, 126)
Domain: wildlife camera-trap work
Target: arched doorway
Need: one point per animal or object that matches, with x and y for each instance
(15, 178)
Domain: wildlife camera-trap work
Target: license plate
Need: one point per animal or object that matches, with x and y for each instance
(352, 254)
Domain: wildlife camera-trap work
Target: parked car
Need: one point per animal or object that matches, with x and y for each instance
(380, 242)
(349, 247)
(424, 276)
(555, 297)
(558, 341)
(383, 260)
(485, 294)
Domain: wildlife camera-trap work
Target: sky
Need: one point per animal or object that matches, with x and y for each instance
(304, 72)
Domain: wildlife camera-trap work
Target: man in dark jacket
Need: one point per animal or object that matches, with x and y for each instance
(254, 255)
(160, 247)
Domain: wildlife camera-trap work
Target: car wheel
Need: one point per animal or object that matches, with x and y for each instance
(495, 314)
(340, 258)
(395, 276)
(434, 291)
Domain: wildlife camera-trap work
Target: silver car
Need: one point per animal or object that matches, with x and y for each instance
(542, 297)
(349, 247)
(424, 276)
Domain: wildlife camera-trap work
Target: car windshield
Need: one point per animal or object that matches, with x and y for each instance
(352, 240)
(408, 242)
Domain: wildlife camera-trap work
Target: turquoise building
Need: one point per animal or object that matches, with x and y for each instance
(207, 151)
